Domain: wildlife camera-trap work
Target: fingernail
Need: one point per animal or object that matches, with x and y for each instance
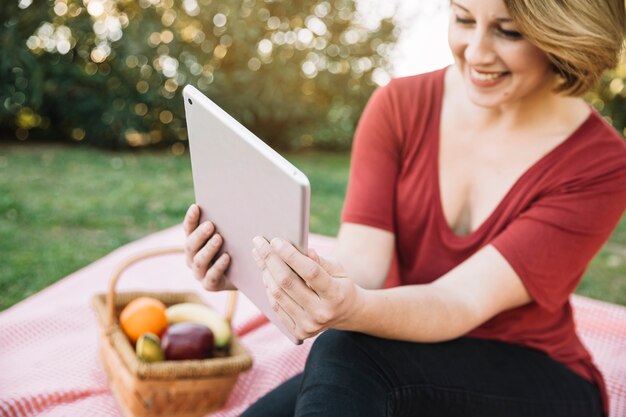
(259, 242)
(277, 243)
(214, 240)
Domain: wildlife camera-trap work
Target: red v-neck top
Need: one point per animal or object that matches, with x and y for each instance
(548, 226)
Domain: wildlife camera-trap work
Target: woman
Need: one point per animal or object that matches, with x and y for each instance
(489, 185)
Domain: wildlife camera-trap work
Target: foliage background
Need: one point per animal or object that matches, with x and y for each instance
(609, 96)
(110, 72)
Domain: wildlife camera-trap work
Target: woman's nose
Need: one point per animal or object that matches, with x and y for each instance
(479, 50)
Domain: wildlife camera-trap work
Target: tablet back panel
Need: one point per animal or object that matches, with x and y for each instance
(247, 189)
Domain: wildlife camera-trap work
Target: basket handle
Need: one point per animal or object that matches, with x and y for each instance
(150, 253)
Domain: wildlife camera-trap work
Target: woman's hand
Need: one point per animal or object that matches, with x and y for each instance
(309, 294)
(202, 245)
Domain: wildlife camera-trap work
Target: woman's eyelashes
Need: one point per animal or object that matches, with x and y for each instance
(463, 21)
(511, 34)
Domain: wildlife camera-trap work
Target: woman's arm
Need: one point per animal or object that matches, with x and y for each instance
(461, 300)
(365, 253)
(311, 295)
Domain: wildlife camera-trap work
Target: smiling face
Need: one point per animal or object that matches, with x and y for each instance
(497, 64)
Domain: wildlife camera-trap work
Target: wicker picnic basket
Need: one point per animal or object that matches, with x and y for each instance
(190, 388)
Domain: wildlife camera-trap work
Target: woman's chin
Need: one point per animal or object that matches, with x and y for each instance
(487, 100)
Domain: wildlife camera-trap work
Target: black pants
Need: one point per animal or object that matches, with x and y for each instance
(352, 374)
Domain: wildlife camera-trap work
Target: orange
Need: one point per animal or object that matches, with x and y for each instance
(143, 315)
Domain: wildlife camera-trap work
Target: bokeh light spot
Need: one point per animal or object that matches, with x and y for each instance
(95, 8)
(226, 40)
(219, 20)
(60, 8)
(91, 68)
(616, 86)
(305, 36)
(78, 134)
(263, 14)
(100, 53)
(171, 85)
(168, 18)
(177, 149)
(316, 25)
(142, 87)
(254, 64)
(154, 39)
(273, 23)
(309, 69)
(322, 9)
(220, 51)
(166, 116)
(141, 109)
(265, 47)
(167, 36)
(131, 61)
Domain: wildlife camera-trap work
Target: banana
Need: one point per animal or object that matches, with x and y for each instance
(199, 313)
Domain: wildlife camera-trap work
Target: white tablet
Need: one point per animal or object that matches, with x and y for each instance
(245, 188)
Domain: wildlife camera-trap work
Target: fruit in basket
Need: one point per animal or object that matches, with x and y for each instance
(143, 315)
(201, 314)
(183, 341)
(148, 348)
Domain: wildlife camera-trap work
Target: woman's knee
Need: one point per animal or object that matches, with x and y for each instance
(337, 344)
(339, 379)
(342, 356)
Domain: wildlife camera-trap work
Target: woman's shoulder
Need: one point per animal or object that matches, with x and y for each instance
(601, 138)
(411, 96)
(597, 154)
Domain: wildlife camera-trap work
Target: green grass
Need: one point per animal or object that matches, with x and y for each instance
(62, 208)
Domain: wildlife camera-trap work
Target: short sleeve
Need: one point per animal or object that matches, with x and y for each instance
(374, 165)
(551, 244)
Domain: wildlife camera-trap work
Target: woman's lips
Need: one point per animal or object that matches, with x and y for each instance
(486, 79)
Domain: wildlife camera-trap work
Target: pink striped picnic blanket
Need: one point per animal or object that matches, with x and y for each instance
(49, 342)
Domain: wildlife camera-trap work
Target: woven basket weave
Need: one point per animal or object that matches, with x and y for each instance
(189, 388)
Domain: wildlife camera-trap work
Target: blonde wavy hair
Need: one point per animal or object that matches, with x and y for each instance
(582, 38)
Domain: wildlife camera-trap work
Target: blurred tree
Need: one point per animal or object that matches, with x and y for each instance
(110, 72)
(609, 96)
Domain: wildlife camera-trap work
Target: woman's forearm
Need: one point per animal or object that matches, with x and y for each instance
(449, 307)
(418, 313)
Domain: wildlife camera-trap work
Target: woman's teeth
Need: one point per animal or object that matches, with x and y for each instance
(482, 76)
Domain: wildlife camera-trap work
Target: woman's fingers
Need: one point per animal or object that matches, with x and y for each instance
(197, 240)
(287, 287)
(308, 269)
(312, 253)
(196, 234)
(275, 294)
(192, 219)
(279, 310)
(296, 319)
(282, 275)
(213, 279)
(202, 247)
(205, 255)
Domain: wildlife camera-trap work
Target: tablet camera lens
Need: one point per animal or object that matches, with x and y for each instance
(189, 100)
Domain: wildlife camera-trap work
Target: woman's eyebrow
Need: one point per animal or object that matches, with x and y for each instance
(504, 19)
